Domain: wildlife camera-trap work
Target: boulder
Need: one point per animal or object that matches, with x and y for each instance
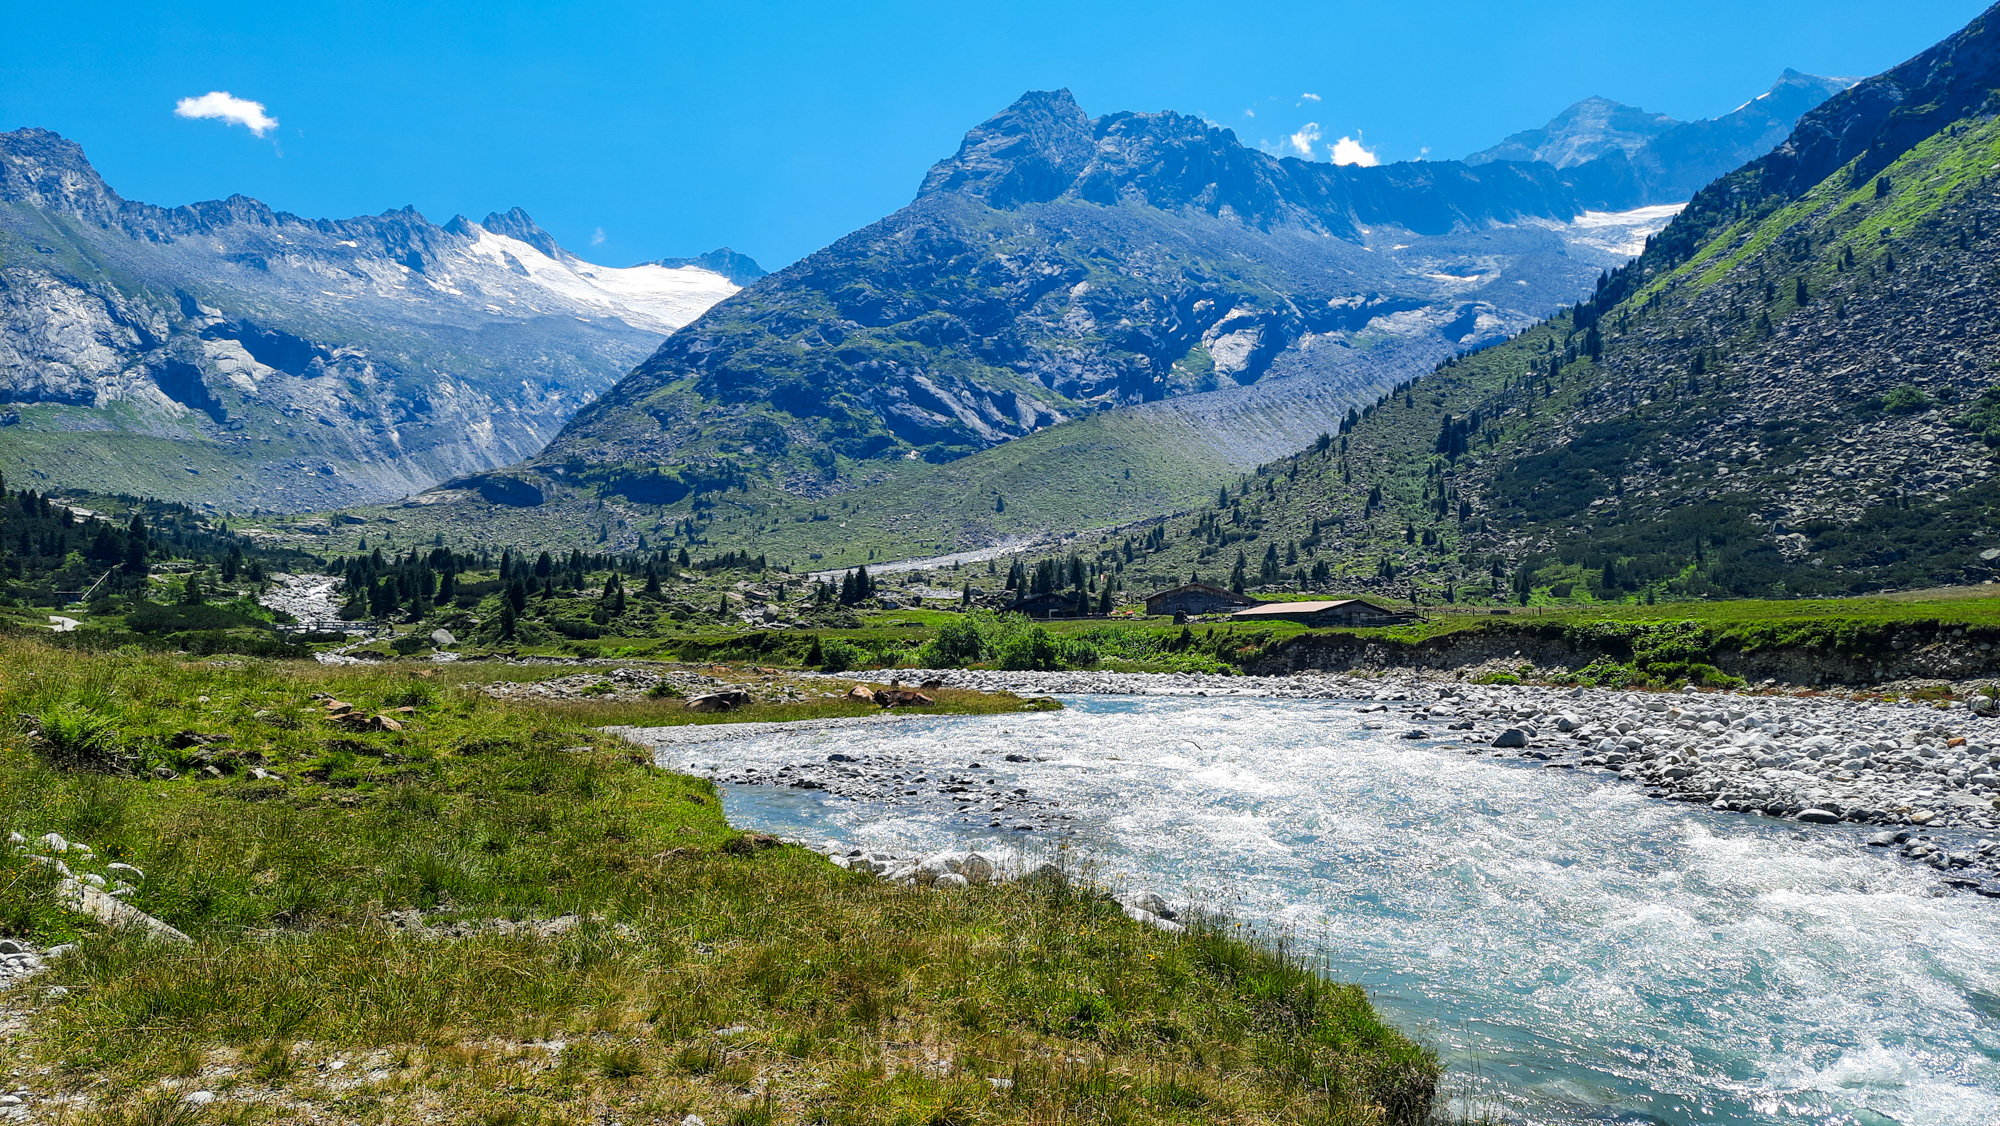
(727, 700)
(977, 869)
(115, 913)
(1140, 915)
(1045, 875)
(938, 864)
(1512, 737)
(748, 843)
(950, 880)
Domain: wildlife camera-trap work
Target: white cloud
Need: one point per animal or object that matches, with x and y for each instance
(1249, 113)
(1310, 97)
(1347, 150)
(597, 237)
(229, 109)
(1303, 140)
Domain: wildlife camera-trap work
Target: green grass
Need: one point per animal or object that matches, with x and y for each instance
(843, 995)
(1100, 470)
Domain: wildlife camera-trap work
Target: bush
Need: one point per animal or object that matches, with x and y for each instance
(837, 655)
(958, 644)
(1905, 400)
(1033, 650)
(1079, 654)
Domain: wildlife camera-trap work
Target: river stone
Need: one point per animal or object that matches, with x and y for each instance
(1045, 875)
(1819, 817)
(1141, 915)
(950, 880)
(1512, 737)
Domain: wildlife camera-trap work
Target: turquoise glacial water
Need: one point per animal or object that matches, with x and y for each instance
(1579, 952)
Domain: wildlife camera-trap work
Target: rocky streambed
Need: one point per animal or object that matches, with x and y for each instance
(1927, 777)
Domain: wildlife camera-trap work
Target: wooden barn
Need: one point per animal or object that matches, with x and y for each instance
(1194, 598)
(1339, 612)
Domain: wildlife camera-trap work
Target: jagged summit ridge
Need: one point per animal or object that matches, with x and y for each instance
(292, 362)
(1030, 152)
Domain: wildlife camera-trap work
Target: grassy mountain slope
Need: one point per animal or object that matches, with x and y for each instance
(1790, 392)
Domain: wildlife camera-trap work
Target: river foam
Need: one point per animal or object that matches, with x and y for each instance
(1579, 952)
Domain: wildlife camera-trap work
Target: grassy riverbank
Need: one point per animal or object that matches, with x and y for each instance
(343, 882)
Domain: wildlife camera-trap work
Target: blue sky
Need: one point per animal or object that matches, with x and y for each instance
(637, 131)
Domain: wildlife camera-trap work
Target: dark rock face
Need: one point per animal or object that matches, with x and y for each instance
(324, 362)
(515, 223)
(739, 268)
(1028, 153)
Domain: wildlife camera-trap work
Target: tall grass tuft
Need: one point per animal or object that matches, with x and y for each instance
(71, 736)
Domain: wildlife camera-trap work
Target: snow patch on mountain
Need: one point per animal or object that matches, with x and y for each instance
(1623, 233)
(651, 297)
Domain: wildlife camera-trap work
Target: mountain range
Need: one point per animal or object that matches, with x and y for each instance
(1612, 148)
(232, 354)
(1135, 278)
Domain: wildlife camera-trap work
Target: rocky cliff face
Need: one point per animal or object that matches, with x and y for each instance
(1058, 265)
(273, 361)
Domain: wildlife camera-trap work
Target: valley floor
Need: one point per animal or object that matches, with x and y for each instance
(410, 894)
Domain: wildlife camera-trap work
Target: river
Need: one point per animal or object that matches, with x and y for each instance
(1578, 951)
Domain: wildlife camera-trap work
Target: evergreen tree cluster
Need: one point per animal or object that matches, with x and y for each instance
(50, 556)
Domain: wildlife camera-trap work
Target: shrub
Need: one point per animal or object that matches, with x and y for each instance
(1032, 650)
(1607, 673)
(958, 643)
(1905, 400)
(1079, 654)
(837, 655)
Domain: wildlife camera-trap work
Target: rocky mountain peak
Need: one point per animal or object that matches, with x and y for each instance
(1592, 128)
(1029, 152)
(740, 269)
(45, 169)
(516, 224)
